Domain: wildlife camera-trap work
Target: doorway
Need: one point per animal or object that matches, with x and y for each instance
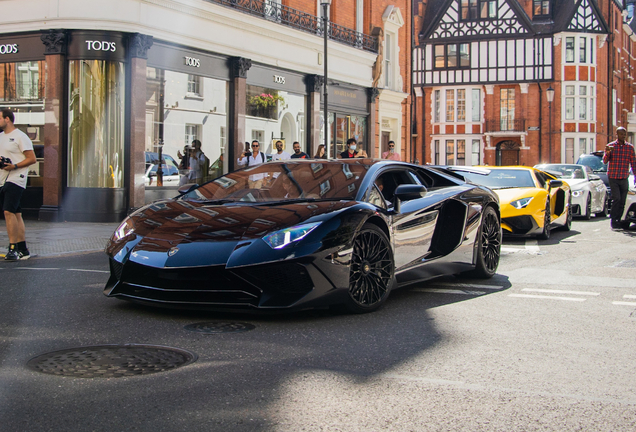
(507, 153)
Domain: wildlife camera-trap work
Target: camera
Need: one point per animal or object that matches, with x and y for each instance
(248, 153)
(4, 161)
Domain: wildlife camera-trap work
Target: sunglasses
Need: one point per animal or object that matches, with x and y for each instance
(254, 145)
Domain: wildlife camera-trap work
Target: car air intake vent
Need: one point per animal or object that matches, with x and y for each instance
(285, 278)
(116, 268)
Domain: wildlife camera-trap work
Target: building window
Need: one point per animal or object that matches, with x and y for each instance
(450, 152)
(582, 147)
(461, 152)
(194, 85)
(591, 50)
(507, 109)
(583, 103)
(476, 158)
(582, 49)
(476, 104)
(222, 138)
(541, 7)
(452, 56)
(569, 49)
(437, 152)
(388, 60)
(191, 133)
(461, 105)
(28, 81)
(450, 105)
(437, 106)
(472, 10)
(258, 135)
(96, 124)
(569, 150)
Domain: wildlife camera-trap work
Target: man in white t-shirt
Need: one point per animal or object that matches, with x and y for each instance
(256, 157)
(280, 154)
(17, 150)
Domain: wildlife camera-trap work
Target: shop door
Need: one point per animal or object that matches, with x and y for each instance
(343, 127)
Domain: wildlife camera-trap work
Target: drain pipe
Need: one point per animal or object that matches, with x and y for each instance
(540, 122)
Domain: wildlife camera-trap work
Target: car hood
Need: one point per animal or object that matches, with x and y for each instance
(576, 184)
(506, 196)
(177, 233)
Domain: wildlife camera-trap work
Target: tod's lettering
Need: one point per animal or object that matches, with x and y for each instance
(101, 46)
(191, 61)
(9, 49)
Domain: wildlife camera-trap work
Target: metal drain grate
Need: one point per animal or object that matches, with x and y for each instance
(111, 361)
(217, 327)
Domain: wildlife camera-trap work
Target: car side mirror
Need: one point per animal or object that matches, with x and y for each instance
(410, 191)
(187, 188)
(556, 183)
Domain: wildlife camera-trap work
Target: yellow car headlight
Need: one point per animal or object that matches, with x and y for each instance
(521, 203)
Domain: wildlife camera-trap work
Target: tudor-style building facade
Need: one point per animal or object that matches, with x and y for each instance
(485, 71)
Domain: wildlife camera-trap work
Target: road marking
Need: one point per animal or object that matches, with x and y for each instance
(463, 285)
(36, 268)
(620, 303)
(560, 291)
(449, 291)
(546, 297)
(92, 271)
(629, 296)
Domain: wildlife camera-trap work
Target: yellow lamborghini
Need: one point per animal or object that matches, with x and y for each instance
(532, 201)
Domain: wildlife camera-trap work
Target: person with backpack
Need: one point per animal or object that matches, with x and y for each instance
(199, 164)
(250, 159)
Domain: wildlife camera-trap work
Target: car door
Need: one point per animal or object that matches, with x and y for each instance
(414, 225)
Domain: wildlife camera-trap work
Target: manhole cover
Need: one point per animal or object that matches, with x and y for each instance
(111, 361)
(220, 327)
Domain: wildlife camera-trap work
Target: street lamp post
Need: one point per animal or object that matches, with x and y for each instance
(550, 95)
(325, 30)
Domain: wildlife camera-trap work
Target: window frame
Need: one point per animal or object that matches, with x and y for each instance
(460, 61)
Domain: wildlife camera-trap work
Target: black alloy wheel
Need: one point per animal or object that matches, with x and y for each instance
(547, 218)
(588, 208)
(489, 246)
(371, 272)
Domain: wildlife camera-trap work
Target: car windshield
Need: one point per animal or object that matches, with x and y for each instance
(594, 162)
(564, 171)
(502, 178)
(285, 181)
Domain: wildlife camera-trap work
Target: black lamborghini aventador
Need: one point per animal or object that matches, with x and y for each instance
(298, 234)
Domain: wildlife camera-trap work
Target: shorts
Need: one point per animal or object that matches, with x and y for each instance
(10, 196)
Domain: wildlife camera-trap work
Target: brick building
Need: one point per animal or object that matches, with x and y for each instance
(485, 72)
(102, 87)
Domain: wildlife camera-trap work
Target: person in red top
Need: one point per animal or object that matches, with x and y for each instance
(619, 155)
(350, 152)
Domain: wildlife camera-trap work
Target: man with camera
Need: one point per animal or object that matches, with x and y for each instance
(253, 158)
(16, 155)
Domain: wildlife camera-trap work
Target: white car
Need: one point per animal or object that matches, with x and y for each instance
(170, 174)
(589, 193)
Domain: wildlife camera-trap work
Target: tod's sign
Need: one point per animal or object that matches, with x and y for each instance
(101, 46)
(9, 49)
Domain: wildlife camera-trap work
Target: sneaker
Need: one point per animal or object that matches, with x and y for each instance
(12, 255)
(24, 255)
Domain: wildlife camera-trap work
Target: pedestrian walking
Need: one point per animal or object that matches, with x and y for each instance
(619, 155)
(16, 155)
(391, 154)
(280, 153)
(199, 164)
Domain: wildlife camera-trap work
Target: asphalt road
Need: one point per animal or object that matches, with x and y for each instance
(548, 344)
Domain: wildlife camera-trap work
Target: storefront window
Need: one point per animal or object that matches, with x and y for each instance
(275, 115)
(96, 124)
(22, 90)
(182, 108)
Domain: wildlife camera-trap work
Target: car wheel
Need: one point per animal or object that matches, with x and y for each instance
(604, 212)
(371, 272)
(545, 234)
(588, 208)
(568, 221)
(489, 246)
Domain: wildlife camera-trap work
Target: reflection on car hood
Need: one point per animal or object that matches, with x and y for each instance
(207, 234)
(506, 196)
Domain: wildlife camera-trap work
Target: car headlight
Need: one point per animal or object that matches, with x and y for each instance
(127, 227)
(521, 203)
(282, 238)
(577, 193)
